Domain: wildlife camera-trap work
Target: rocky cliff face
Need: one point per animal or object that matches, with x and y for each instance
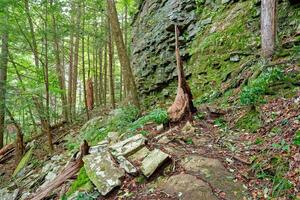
(153, 40)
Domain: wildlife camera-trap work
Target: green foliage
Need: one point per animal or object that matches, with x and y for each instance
(141, 179)
(199, 116)
(277, 175)
(250, 121)
(189, 141)
(296, 140)
(253, 93)
(220, 122)
(158, 116)
(282, 146)
(81, 180)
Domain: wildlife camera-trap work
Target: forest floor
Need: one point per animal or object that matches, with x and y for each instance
(209, 157)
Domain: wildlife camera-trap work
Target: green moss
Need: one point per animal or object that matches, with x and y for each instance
(250, 122)
(82, 181)
(232, 30)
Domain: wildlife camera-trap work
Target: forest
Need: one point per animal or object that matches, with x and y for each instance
(150, 99)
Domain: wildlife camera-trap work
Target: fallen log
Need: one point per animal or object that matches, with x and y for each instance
(6, 148)
(68, 172)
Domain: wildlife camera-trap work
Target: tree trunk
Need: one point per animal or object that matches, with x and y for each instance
(46, 77)
(105, 75)
(110, 64)
(122, 53)
(83, 69)
(71, 59)
(90, 94)
(95, 58)
(268, 27)
(183, 104)
(19, 138)
(38, 98)
(59, 68)
(100, 75)
(76, 58)
(3, 77)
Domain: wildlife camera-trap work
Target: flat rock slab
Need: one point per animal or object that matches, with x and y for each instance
(128, 146)
(212, 171)
(186, 186)
(102, 171)
(139, 155)
(126, 165)
(153, 161)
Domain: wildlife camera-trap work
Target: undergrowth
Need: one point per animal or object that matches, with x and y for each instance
(125, 121)
(249, 122)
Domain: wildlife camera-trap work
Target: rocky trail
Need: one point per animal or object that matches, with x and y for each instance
(196, 159)
(180, 162)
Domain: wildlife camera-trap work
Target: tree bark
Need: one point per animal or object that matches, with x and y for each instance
(122, 53)
(105, 74)
(59, 68)
(268, 27)
(110, 64)
(83, 68)
(19, 139)
(3, 77)
(71, 59)
(90, 94)
(38, 98)
(100, 75)
(76, 58)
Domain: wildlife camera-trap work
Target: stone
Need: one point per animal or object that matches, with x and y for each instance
(160, 127)
(186, 186)
(155, 159)
(188, 128)
(234, 58)
(212, 171)
(5, 194)
(128, 146)
(206, 21)
(139, 155)
(225, 1)
(92, 125)
(102, 171)
(99, 148)
(164, 140)
(112, 137)
(126, 165)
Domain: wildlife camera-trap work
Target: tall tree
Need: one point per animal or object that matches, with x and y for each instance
(110, 64)
(37, 99)
(60, 68)
(71, 59)
(268, 27)
(3, 72)
(76, 58)
(122, 53)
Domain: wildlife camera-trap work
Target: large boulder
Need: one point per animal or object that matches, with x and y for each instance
(212, 171)
(186, 186)
(102, 171)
